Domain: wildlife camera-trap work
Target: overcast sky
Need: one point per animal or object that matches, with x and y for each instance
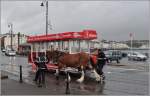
(113, 20)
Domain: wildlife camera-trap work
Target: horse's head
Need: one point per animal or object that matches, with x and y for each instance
(61, 53)
(50, 54)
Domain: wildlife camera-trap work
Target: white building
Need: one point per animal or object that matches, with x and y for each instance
(146, 46)
(119, 46)
(114, 45)
(105, 45)
(15, 40)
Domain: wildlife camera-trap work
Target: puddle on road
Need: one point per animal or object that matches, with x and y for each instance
(94, 88)
(89, 86)
(14, 70)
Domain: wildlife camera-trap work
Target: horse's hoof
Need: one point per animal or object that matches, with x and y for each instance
(100, 82)
(55, 74)
(39, 85)
(57, 83)
(57, 77)
(103, 78)
(98, 79)
(79, 81)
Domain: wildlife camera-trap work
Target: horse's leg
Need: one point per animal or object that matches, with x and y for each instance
(58, 70)
(57, 74)
(81, 79)
(98, 78)
(67, 75)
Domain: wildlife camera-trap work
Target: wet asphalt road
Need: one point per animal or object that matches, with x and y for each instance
(126, 78)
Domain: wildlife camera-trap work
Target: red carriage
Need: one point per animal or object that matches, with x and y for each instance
(71, 42)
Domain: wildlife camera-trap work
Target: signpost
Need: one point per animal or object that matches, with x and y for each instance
(131, 39)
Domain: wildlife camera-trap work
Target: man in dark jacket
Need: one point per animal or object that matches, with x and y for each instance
(41, 62)
(101, 61)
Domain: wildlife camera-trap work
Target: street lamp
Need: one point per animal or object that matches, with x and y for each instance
(10, 25)
(18, 40)
(42, 4)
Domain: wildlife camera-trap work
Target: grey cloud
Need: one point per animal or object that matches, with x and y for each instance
(113, 20)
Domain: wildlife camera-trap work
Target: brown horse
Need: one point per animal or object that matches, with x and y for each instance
(78, 61)
(54, 55)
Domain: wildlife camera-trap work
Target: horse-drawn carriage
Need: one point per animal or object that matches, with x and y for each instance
(74, 49)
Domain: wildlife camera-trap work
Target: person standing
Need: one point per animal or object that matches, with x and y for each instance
(41, 62)
(101, 61)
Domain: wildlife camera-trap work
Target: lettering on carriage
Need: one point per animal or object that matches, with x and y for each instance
(42, 38)
(76, 35)
(30, 39)
(53, 36)
(57, 36)
(66, 35)
(92, 35)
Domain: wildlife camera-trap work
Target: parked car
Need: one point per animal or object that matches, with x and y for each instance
(113, 55)
(124, 54)
(3, 50)
(10, 53)
(137, 56)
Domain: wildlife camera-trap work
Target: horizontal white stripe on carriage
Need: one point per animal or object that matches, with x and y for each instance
(52, 66)
(69, 69)
(101, 58)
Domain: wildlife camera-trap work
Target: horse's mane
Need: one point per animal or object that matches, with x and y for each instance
(56, 54)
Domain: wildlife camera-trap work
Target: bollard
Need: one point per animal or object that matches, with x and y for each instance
(67, 84)
(20, 74)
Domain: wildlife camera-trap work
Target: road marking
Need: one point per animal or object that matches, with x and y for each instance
(9, 58)
(131, 69)
(112, 70)
(109, 72)
(121, 68)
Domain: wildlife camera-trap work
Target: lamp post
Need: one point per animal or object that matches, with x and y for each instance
(42, 4)
(10, 25)
(18, 40)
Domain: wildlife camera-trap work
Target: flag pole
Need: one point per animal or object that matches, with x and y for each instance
(131, 41)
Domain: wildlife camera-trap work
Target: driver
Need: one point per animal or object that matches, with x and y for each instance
(41, 62)
(101, 61)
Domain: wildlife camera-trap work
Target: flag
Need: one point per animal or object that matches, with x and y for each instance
(8, 25)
